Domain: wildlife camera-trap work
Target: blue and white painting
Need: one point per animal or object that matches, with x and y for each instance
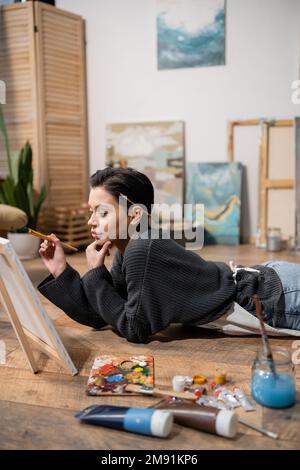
(190, 33)
(218, 187)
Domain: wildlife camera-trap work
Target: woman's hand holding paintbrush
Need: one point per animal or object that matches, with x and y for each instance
(53, 255)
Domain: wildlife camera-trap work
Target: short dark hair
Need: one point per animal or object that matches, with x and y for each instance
(132, 183)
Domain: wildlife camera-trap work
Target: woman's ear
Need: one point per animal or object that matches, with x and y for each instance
(135, 215)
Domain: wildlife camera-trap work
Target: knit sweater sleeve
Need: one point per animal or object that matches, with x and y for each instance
(117, 274)
(66, 292)
(127, 316)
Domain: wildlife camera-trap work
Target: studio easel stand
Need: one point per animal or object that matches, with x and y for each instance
(12, 315)
(26, 313)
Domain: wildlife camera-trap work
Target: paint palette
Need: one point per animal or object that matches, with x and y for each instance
(111, 374)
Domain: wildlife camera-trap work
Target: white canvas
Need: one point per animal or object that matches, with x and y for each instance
(30, 311)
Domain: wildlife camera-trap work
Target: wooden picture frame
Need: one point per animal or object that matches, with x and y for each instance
(297, 181)
(26, 312)
(267, 183)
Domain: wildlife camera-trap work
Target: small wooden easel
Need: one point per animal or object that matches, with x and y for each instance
(26, 313)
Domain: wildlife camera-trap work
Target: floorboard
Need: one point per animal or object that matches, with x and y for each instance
(37, 411)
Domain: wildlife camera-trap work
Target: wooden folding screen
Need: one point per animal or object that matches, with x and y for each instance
(42, 61)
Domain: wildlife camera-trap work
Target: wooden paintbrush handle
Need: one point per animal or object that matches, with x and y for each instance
(46, 237)
(156, 392)
(170, 393)
(70, 247)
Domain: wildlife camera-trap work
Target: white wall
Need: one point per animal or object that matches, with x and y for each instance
(262, 60)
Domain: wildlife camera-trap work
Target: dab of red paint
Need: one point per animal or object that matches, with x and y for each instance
(107, 369)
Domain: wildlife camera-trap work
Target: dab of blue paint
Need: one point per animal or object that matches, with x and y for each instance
(273, 390)
(115, 378)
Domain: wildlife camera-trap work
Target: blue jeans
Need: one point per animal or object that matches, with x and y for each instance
(289, 274)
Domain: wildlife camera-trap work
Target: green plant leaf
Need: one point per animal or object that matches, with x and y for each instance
(25, 173)
(27, 161)
(2, 195)
(29, 191)
(5, 138)
(17, 189)
(22, 198)
(15, 165)
(7, 192)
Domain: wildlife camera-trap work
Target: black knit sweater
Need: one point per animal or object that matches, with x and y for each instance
(156, 283)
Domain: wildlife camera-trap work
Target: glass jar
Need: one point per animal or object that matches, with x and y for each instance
(274, 241)
(274, 390)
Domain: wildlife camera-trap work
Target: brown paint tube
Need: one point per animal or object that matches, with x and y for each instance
(204, 418)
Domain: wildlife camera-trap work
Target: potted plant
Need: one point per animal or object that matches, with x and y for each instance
(17, 190)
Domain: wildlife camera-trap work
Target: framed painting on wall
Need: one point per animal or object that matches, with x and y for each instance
(153, 148)
(190, 33)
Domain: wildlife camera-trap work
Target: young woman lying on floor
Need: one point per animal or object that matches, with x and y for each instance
(155, 282)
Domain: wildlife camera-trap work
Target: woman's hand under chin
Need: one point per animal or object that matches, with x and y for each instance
(96, 252)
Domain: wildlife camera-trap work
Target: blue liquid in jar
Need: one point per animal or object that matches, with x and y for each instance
(273, 390)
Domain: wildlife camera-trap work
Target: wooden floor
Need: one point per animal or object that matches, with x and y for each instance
(37, 411)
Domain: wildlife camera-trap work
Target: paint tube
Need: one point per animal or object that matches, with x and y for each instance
(222, 422)
(212, 401)
(227, 397)
(147, 421)
(243, 399)
(179, 382)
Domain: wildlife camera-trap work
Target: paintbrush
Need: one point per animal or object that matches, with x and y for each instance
(271, 434)
(126, 197)
(264, 336)
(157, 392)
(46, 237)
